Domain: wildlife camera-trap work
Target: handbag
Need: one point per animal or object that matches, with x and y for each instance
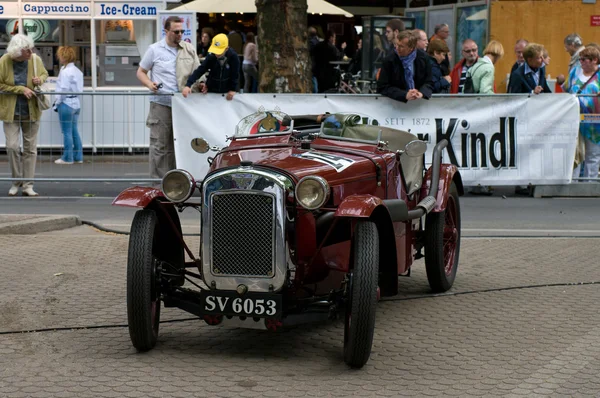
(469, 86)
(43, 100)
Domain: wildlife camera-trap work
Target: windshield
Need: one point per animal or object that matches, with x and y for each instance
(347, 126)
(264, 123)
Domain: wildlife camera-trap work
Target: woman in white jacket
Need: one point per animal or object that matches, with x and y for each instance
(68, 106)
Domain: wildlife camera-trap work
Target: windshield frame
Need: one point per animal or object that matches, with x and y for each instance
(251, 120)
(347, 120)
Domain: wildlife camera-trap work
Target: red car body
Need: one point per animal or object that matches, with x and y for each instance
(319, 252)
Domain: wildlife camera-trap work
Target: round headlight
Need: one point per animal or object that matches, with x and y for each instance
(178, 185)
(312, 192)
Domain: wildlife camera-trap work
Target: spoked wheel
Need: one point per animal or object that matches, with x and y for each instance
(442, 244)
(361, 302)
(143, 284)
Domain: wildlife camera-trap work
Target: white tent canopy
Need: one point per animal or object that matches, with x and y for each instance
(249, 6)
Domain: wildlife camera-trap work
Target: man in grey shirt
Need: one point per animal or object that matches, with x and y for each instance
(171, 62)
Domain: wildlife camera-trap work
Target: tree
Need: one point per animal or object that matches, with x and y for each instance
(285, 65)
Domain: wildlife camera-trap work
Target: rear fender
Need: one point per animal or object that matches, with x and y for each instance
(448, 173)
(363, 207)
(138, 197)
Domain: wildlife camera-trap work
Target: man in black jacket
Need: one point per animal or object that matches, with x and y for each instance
(531, 76)
(406, 73)
(223, 66)
(324, 53)
(519, 47)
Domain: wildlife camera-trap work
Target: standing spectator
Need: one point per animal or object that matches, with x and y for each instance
(422, 41)
(519, 47)
(313, 40)
(585, 81)
(171, 61)
(482, 75)
(356, 63)
(249, 64)
(70, 80)
(530, 77)
(392, 28)
(204, 45)
(442, 32)
(437, 52)
(482, 72)
(223, 67)
(459, 72)
(406, 76)
(19, 109)
(574, 46)
(325, 52)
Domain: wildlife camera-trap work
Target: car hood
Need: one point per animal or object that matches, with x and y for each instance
(334, 166)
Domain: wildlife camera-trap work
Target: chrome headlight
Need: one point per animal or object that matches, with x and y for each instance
(178, 185)
(312, 192)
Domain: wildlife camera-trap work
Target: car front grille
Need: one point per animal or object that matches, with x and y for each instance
(243, 234)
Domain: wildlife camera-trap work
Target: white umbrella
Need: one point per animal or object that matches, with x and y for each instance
(479, 15)
(249, 6)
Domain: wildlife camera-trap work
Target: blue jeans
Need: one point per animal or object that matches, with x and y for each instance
(73, 151)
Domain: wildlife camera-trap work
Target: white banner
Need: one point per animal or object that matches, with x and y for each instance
(494, 140)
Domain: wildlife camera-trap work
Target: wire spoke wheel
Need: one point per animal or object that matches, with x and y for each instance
(442, 244)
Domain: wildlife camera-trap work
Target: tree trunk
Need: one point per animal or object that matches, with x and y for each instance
(284, 61)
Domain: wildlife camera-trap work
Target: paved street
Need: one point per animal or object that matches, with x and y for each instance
(522, 320)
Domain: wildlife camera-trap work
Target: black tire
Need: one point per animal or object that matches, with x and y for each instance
(143, 289)
(361, 303)
(442, 244)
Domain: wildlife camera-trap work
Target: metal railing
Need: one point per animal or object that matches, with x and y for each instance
(115, 139)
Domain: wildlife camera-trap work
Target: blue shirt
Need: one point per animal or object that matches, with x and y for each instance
(20, 72)
(535, 75)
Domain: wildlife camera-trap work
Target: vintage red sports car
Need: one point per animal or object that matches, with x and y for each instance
(303, 218)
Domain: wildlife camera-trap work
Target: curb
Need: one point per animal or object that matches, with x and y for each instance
(25, 225)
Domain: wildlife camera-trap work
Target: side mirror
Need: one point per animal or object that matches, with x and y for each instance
(200, 145)
(415, 148)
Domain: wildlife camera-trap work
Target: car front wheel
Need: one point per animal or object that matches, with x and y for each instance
(143, 288)
(361, 296)
(442, 244)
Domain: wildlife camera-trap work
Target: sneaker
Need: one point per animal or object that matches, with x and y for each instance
(79, 161)
(29, 192)
(13, 191)
(60, 161)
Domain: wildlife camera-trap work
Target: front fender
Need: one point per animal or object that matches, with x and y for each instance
(448, 174)
(138, 197)
(359, 206)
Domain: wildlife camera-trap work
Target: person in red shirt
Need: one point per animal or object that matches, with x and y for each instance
(459, 72)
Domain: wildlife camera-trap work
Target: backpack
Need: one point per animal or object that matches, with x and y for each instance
(468, 87)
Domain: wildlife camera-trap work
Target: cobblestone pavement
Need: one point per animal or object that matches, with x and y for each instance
(521, 320)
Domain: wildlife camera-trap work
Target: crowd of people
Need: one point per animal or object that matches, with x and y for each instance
(418, 68)
(409, 67)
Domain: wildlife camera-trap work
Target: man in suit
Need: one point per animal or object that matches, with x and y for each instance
(406, 74)
(519, 47)
(531, 76)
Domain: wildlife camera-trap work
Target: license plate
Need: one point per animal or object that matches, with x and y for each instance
(262, 305)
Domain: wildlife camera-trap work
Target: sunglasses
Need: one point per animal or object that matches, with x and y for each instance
(178, 32)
